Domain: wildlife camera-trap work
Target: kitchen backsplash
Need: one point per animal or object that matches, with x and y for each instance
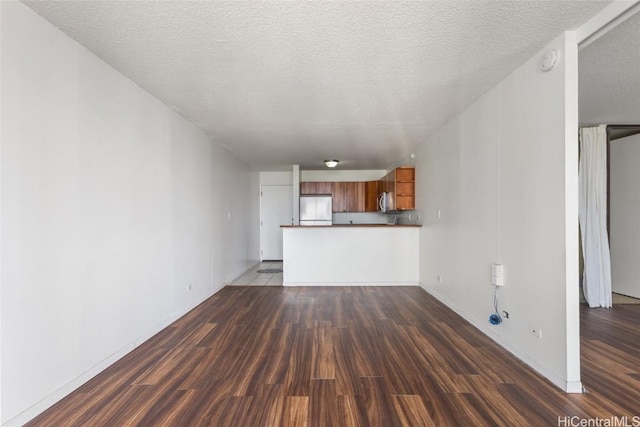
(359, 218)
(409, 217)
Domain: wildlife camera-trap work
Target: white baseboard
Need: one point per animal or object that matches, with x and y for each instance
(484, 327)
(574, 387)
(44, 404)
(53, 398)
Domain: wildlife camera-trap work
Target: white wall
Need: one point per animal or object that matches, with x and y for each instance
(276, 178)
(341, 175)
(624, 212)
(504, 176)
(295, 195)
(112, 205)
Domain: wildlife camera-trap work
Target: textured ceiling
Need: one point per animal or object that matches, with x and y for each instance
(610, 76)
(283, 83)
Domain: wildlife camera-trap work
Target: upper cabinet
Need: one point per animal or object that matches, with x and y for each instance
(348, 196)
(405, 188)
(400, 184)
(371, 193)
(315, 188)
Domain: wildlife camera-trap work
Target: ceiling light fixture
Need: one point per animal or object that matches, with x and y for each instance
(331, 163)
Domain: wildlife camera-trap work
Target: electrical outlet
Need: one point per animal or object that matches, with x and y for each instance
(189, 287)
(535, 331)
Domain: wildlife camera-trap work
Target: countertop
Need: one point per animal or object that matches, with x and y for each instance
(351, 226)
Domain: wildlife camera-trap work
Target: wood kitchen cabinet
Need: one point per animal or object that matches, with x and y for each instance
(348, 196)
(400, 183)
(387, 185)
(356, 197)
(315, 188)
(307, 188)
(405, 188)
(371, 193)
(338, 197)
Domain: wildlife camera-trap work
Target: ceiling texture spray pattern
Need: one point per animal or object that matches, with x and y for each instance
(610, 76)
(281, 83)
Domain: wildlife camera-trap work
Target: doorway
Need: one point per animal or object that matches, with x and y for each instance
(624, 208)
(276, 209)
(609, 94)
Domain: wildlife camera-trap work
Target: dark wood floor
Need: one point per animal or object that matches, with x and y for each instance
(358, 356)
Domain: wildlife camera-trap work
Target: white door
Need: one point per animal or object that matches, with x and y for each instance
(276, 209)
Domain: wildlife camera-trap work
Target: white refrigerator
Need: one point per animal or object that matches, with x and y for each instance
(315, 210)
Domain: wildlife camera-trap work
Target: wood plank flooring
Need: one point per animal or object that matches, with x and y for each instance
(356, 356)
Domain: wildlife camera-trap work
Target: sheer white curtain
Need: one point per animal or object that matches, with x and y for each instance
(593, 216)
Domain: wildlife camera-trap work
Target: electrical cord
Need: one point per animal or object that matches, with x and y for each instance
(495, 318)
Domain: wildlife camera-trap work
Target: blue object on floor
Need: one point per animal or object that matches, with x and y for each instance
(495, 319)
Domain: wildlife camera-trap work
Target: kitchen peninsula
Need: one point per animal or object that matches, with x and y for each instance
(350, 255)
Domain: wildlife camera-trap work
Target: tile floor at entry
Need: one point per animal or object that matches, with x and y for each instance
(253, 278)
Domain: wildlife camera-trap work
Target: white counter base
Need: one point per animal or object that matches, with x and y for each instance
(350, 256)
